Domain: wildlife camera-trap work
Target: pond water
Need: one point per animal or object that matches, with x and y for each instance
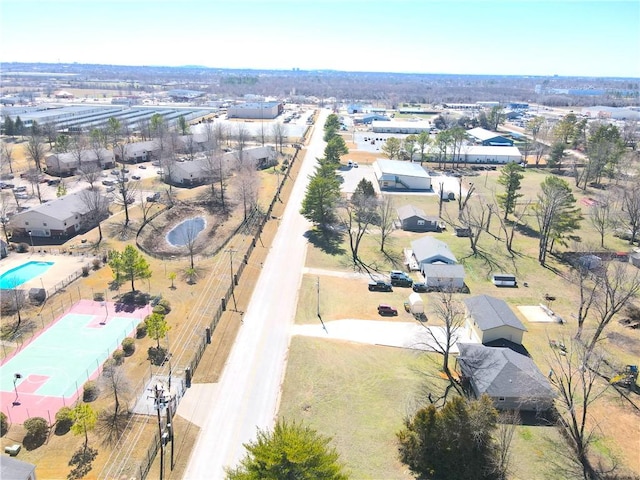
(186, 232)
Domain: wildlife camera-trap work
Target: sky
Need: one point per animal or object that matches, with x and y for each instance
(599, 38)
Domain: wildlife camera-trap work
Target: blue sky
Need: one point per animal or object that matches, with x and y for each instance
(511, 37)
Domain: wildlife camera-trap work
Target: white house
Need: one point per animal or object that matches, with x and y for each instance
(443, 276)
(490, 318)
(137, 152)
(59, 219)
(399, 175)
(428, 250)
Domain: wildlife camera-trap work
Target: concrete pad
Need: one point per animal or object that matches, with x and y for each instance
(535, 314)
(192, 407)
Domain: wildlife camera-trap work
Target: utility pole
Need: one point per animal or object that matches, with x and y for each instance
(158, 401)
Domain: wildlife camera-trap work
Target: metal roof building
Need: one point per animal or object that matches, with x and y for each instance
(399, 175)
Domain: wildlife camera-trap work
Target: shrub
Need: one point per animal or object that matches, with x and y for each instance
(157, 355)
(118, 357)
(64, 420)
(98, 297)
(22, 247)
(37, 432)
(128, 346)
(165, 303)
(4, 424)
(141, 330)
(89, 391)
(85, 271)
(96, 263)
(159, 309)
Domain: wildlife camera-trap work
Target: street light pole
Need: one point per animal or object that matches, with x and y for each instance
(16, 377)
(233, 281)
(31, 238)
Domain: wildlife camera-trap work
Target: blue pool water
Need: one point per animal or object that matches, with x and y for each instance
(185, 232)
(25, 272)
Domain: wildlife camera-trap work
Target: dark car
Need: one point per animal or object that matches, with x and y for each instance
(135, 177)
(384, 309)
(379, 286)
(420, 287)
(400, 279)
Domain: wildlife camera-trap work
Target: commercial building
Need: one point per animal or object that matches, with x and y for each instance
(399, 175)
(255, 110)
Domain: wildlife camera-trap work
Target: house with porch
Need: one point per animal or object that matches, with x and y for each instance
(413, 219)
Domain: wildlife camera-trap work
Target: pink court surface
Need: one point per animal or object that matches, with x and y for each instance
(49, 371)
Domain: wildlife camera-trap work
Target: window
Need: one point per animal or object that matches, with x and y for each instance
(501, 399)
(44, 224)
(26, 223)
(420, 222)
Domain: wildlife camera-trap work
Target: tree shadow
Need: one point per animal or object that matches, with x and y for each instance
(122, 231)
(131, 301)
(329, 241)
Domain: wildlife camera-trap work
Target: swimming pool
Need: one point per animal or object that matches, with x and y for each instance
(23, 273)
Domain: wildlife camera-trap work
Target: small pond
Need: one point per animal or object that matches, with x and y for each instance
(186, 232)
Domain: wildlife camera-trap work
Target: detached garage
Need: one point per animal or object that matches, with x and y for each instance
(398, 175)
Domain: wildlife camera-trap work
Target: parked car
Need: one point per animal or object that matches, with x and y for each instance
(5, 186)
(420, 287)
(384, 309)
(111, 189)
(22, 196)
(7, 176)
(53, 181)
(155, 163)
(115, 172)
(154, 198)
(135, 177)
(20, 189)
(400, 279)
(107, 183)
(380, 286)
(143, 167)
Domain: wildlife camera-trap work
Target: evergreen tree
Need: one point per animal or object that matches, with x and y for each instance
(336, 148)
(18, 126)
(510, 178)
(291, 451)
(130, 264)
(321, 198)
(8, 126)
(454, 442)
(157, 327)
(556, 214)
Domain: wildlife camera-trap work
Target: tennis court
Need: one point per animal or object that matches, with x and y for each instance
(48, 372)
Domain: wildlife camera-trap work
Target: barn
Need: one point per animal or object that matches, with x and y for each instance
(399, 175)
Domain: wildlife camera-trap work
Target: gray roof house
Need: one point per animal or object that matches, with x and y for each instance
(137, 152)
(413, 219)
(440, 276)
(512, 380)
(431, 250)
(14, 469)
(490, 318)
(69, 164)
(58, 219)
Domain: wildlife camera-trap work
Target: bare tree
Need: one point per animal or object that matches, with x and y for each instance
(90, 173)
(4, 216)
(97, 206)
(112, 422)
(588, 286)
(619, 284)
(188, 236)
(125, 194)
(476, 217)
(359, 212)
(451, 313)
(601, 215)
(35, 150)
(509, 227)
(221, 133)
(190, 146)
(386, 219)
(241, 138)
(33, 176)
(574, 374)
(631, 209)
(279, 134)
(6, 157)
(247, 188)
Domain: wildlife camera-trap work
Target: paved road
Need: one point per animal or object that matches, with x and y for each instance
(246, 398)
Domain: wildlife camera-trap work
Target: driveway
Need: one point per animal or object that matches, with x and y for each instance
(414, 335)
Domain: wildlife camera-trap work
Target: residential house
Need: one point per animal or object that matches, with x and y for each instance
(510, 379)
(137, 152)
(413, 219)
(443, 276)
(59, 219)
(71, 163)
(490, 319)
(429, 250)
